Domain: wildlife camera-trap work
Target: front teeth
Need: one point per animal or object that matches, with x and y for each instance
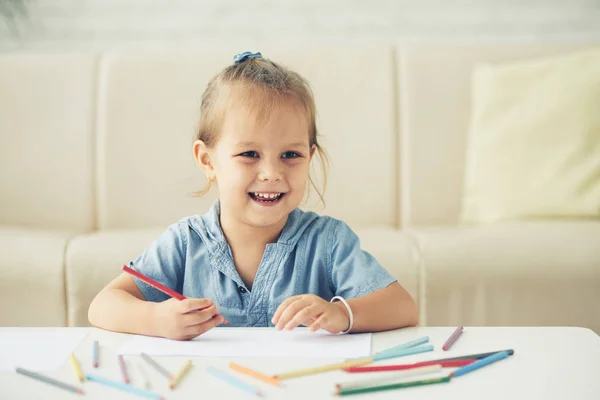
(267, 195)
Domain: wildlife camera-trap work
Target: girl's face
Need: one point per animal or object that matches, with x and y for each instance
(261, 166)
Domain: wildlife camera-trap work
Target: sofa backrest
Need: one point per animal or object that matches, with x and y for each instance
(435, 104)
(149, 108)
(47, 109)
(104, 141)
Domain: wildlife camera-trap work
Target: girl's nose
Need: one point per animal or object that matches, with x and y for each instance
(270, 171)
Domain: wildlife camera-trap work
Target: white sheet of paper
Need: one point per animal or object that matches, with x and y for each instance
(255, 342)
(38, 349)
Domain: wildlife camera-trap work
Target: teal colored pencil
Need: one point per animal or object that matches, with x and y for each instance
(423, 382)
(95, 349)
(407, 345)
(123, 386)
(234, 381)
(391, 353)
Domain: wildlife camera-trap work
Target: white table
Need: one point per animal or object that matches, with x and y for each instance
(549, 363)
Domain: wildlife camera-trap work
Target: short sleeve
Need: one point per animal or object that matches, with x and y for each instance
(164, 261)
(354, 272)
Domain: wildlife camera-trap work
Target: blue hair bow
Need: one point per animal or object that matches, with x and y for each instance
(241, 57)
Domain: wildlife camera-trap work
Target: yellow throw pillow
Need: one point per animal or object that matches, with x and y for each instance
(534, 144)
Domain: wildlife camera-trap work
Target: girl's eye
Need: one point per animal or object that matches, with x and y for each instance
(251, 154)
(290, 154)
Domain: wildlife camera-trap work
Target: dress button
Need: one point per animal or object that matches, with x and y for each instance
(242, 289)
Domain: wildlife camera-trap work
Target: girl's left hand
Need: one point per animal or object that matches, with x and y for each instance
(312, 311)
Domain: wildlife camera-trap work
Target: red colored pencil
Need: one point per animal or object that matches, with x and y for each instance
(123, 369)
(452, 338)
(158, 286)
(399, 367)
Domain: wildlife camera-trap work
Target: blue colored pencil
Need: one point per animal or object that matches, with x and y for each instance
(95, 354)
(234, 381)
(49, 380)
(123, 386)
(391, 353)
(479, 363)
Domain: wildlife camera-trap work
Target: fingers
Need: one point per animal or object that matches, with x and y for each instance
(305, 316)
(193, 331)
(188, 305)
(198, 317)
(282, 308)
(321, 321)
(292, 309)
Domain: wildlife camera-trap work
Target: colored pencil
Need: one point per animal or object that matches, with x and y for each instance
(407, 345)
(324, 368)
(452, 338)
(389, 378)
(400, 352)
(123, 367)
(157, 367)
(477, 356)
(234, 381)
(401, 367)
(95, 354)
(391, 353)
(181, 374)
(160, 286)
(345, 392)
(255, 374)
(76, 368)
(123, 386)
(49, 380)
(153, 283)
(479, 363)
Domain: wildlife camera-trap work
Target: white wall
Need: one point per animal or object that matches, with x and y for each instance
(91, 25)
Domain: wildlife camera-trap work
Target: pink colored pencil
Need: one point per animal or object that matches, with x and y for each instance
(123, 369)
(452, 338)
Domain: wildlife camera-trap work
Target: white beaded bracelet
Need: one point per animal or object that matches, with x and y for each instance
(340, 298)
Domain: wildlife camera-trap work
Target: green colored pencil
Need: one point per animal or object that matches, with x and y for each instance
(346, 392)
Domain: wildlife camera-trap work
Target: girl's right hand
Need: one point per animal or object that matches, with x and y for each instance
(185, 319)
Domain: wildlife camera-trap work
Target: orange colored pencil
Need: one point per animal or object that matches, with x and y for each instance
(255, 374)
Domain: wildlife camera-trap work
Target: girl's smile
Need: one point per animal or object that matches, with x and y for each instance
(266, 199)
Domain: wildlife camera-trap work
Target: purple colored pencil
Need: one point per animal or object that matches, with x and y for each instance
(452, 338)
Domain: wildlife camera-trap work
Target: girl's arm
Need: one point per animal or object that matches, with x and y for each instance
(389, 308)
(121, 307)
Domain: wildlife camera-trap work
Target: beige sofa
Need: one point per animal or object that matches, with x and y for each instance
(95, 162)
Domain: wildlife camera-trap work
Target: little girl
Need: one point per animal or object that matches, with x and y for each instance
(255, 258)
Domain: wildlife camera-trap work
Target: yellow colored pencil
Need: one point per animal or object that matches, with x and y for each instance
(181, 374)
(268, 379)
(77, 368)
(325, 368)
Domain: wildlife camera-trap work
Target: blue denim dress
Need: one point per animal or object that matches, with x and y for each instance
(314, 254)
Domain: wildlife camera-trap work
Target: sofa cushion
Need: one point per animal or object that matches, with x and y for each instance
(534, 146)
(529, 273)
(433, 112)
(32, 290)
(93, 260)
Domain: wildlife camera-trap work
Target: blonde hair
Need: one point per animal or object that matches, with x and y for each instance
(261, 85)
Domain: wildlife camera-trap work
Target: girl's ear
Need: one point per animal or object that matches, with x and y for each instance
(312, 152)
(202, 157)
